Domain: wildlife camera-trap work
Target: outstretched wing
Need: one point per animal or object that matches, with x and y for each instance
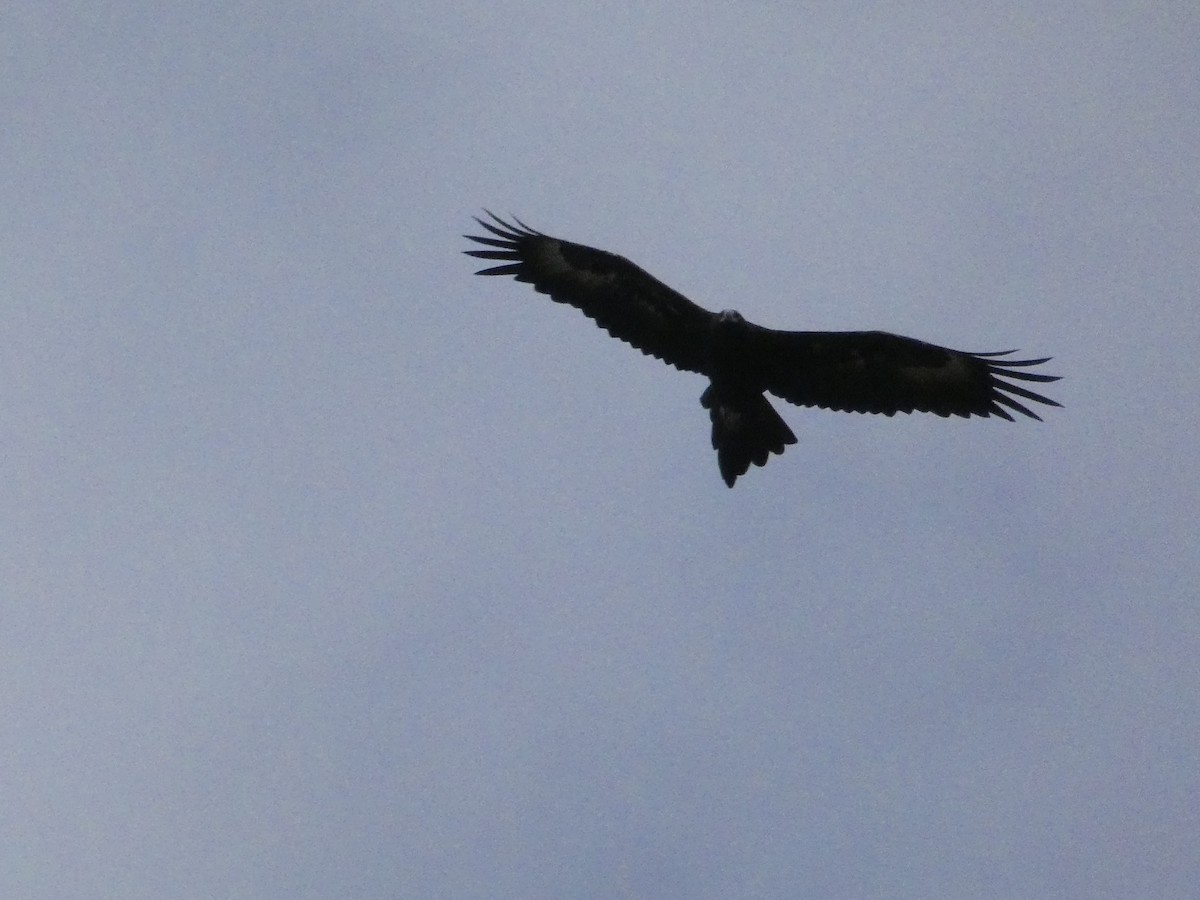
(626, 301)
(877, 372)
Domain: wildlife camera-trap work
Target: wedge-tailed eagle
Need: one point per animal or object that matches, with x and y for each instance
(848, 371)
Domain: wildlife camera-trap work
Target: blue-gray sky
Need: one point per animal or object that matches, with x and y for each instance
(330, 570)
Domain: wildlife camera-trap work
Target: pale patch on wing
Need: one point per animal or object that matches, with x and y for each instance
(954, 371)
(549, 260)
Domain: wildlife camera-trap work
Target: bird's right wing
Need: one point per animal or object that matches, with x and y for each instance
(623, 299)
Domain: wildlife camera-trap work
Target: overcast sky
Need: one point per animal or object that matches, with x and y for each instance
(328, 569)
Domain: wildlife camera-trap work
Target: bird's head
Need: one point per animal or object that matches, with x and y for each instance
(730, 317)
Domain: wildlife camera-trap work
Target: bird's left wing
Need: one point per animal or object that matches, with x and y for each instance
(626, 301)
(877, 372)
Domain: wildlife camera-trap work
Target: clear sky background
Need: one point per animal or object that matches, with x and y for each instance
(330, 570)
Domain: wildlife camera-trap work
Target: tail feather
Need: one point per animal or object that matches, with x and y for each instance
(745, 429)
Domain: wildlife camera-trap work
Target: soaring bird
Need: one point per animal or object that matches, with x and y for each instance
(847, 371)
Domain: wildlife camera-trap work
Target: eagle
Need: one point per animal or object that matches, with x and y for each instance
(846, 371)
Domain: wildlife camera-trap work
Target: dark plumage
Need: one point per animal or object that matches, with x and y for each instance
(849, 371)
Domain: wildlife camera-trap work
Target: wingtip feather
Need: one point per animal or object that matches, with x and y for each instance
(513, 269)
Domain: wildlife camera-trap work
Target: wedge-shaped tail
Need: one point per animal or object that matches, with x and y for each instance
(745, 429)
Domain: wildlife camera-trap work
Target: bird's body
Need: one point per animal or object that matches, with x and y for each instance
(848, 371)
